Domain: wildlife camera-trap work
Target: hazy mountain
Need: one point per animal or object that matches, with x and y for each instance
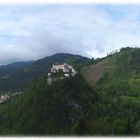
(16, 65)
(17, 76)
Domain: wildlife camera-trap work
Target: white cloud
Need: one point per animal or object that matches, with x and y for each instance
(34, 31)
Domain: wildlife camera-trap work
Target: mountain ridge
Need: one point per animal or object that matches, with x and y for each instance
(18, 64)
(21, 75)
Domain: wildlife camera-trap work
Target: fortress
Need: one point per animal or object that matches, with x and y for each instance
(65, 69)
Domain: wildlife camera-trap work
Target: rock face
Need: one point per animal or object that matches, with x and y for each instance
(49, 80)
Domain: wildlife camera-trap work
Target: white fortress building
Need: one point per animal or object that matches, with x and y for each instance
(66, 69)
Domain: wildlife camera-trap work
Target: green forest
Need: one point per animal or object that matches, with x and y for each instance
(80, 105)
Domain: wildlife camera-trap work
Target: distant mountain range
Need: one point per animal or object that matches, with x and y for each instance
(16, 65)
(19, 75)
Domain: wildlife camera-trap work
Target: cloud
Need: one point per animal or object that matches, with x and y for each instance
(30, 32)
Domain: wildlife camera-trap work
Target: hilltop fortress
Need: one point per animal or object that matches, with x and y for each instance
(60, 71)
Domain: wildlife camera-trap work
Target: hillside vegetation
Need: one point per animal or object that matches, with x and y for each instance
(66, 107)
(117, 78)
(104, 99)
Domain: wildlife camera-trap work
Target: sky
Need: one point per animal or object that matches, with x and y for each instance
(30, 32)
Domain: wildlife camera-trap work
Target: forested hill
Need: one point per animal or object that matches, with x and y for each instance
(117, 79)
(108, 104)
(18, 76)
(118, 66)
(66, 107)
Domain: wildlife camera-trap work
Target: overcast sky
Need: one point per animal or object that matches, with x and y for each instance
(30, 32)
